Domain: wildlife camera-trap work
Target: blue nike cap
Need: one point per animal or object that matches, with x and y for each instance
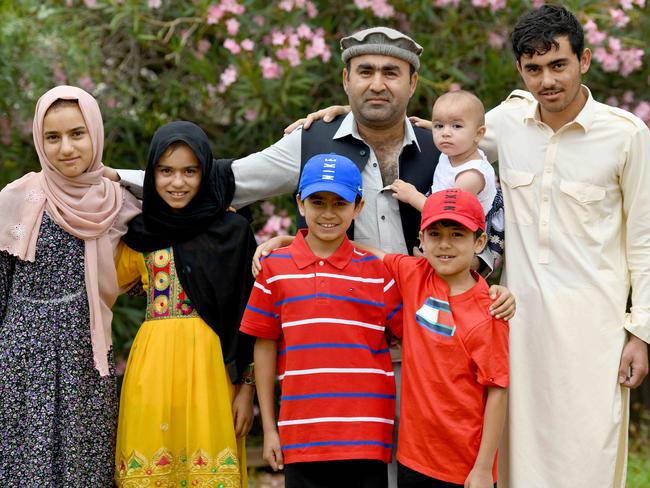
(333, 173)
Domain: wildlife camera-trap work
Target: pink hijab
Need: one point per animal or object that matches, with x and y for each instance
(87, 206)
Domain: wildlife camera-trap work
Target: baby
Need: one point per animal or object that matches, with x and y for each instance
(458, 125)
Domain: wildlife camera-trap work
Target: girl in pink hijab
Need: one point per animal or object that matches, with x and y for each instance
(58, 234)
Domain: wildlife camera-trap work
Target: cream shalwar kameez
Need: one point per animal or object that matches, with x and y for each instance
(577, 208)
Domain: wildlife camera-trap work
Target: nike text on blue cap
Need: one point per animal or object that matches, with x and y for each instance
(333, 173)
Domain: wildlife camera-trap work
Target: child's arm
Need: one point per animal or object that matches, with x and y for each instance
(242, 409)
(407, 193)
(265, 358)
(493, 421)
(372, 250)
(471, 180)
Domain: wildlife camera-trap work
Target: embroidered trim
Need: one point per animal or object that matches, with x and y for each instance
(165, 297)
(165, 470)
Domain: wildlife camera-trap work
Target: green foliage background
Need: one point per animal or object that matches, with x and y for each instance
(148, 65)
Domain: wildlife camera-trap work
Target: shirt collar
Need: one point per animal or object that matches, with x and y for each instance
(349, 128)
(585, 118)
(303, 256)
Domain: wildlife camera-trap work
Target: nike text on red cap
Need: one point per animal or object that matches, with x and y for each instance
(453, 204)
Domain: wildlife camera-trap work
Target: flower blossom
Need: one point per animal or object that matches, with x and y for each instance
(232, 26)
(593, 35)
(619, 18)
(270, 69)
(228, 77)
(214, 14)
(153, 4)
(247, 45)
(250, 114)
(289, 54)
(232, 46)
(496, 40)
(642, 111)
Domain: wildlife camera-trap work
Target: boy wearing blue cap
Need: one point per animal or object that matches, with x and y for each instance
(319, 310)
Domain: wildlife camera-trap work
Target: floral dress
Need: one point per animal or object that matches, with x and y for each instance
(57, 414)
(176, 425)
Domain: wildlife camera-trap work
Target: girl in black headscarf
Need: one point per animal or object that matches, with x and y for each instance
(187, 396)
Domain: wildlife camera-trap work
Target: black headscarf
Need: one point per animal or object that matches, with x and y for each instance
(213, 248)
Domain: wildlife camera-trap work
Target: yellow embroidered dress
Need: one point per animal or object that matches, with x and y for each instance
(175, 425)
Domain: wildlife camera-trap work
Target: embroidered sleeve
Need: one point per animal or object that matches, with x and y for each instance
(7, 264)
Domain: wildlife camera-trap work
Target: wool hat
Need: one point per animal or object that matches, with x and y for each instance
(384, 41)
(453, 204)
(332, 173)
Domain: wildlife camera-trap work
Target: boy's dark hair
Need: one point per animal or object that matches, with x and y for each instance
(537, 29)
(452, 223)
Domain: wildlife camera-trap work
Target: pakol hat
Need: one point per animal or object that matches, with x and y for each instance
(384, 41)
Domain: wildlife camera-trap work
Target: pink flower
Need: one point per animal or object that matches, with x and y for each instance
(154, 3)
(267, 208)
(232, 46)
(232, 26)
(277, 38)
(227, 78)
(247, 45)
(58, 74)
(631, 60)
(290, 54)
(497, 5)
(628, 96)
(214, 14)
(613, 101)
(454, 87)
(90, 3)
(445, 3)
(304, 32)
(593, 35)
(259, 20)
(250, 114)
(312, 11)
(619, 19)
(111, 102)
(640, 3)
(614, 44)
(86, 83)
(608, 61)
(270, 69)
(496, 40)
(286, 5)
(232, 6)
(538, 3)
(294, 40)
(626, 4)
(362, 3)
(481, 3)
(642, 111)
(202, 47)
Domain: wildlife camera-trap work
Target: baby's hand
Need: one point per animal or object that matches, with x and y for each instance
(404, 191)
(407, 193)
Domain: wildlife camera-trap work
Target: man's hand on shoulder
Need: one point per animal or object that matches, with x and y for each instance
(326, 114)
(111, 174)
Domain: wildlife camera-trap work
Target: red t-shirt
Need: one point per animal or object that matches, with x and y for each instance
(328, 316)
(453, 349)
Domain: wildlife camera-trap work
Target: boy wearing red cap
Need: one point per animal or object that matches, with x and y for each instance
(455, 355)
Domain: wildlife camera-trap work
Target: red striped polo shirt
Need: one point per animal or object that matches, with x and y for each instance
(328, 316)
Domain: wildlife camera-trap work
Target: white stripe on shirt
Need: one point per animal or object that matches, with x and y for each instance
(319, 420)
(332, 320)
(302, 372)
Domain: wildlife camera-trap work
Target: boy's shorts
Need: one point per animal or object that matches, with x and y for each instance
(409, 478)
(353, 473)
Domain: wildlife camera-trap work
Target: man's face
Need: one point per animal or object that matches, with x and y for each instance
(379, 89)
(554, 78)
